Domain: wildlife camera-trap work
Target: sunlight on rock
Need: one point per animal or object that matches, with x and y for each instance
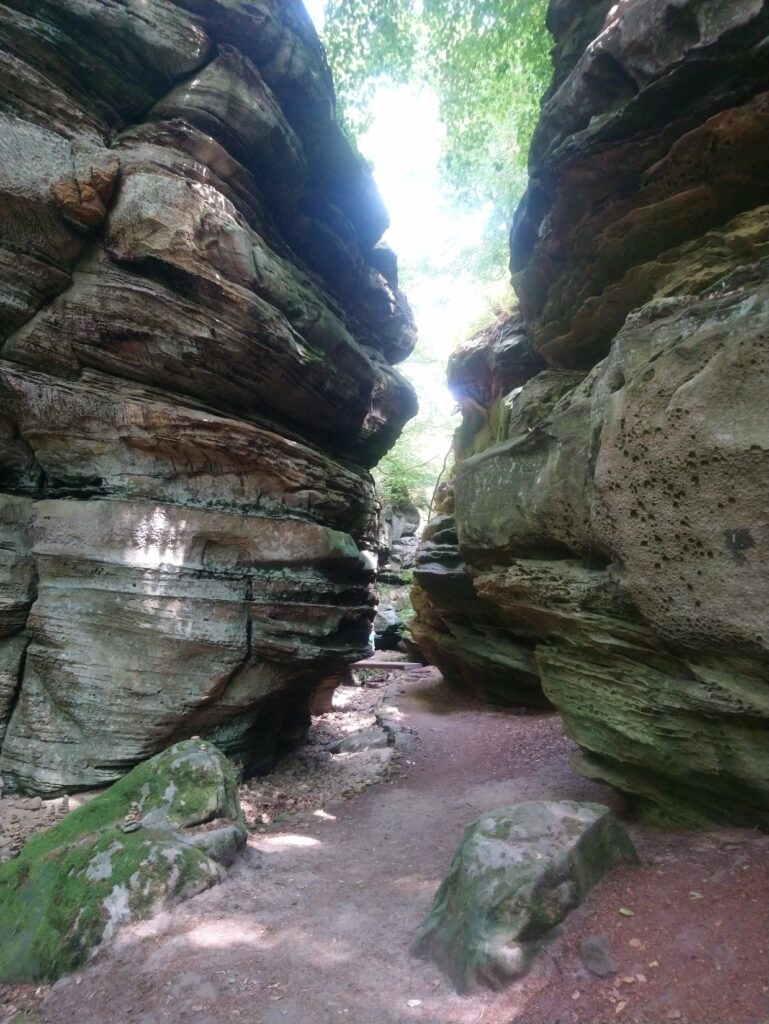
(342, 698)
(158, 541)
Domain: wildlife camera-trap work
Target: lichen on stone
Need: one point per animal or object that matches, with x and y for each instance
(71, 888)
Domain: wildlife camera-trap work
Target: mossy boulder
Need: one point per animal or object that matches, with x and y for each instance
(516, 874)
(159, 835)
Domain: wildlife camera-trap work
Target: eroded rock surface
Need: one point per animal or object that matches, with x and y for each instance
(517, 873)
(398, 544)
(162, 833)
(197, 332)
(609, 515)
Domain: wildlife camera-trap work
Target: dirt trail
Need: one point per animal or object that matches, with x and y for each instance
(314, 924)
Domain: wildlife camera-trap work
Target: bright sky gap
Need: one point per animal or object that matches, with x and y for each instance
(429, 232)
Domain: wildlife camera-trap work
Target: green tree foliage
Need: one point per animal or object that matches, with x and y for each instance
(366, 42)
(404, 473)
(487, 60)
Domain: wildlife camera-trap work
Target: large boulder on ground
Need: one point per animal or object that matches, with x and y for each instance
(159, 835)
(405, 519)
(517, 873)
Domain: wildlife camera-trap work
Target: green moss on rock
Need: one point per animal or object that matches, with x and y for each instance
(516, 874)
(73, 886)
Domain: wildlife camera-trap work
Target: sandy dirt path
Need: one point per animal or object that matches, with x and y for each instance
(314, 924)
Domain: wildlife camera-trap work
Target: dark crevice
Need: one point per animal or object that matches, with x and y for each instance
(17, 692)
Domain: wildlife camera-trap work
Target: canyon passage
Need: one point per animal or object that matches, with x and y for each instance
(200, 333)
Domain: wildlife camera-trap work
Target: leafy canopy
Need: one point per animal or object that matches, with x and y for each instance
(488, 62)
(404, 473)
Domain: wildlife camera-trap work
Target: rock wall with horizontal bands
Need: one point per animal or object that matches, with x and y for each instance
(610, 527)
(198, 328)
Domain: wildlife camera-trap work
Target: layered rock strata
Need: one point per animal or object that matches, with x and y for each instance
(399, 542)
(198, 328)
(611, 502)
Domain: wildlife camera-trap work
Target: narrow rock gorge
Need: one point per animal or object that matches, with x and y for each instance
(225, 658)
(198, 328)
(604, 546)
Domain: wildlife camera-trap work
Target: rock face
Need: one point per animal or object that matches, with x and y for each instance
(158, 836)
(196, 349)
(454, 628)
(388, 626)
(398, 546)
(610, 511)
(398, 539)
(516, 874)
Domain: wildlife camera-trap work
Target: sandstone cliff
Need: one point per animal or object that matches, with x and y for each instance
(609, 548)
(197, 332)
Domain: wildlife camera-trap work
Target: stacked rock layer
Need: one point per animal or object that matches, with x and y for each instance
(606, 547)
(197, 334)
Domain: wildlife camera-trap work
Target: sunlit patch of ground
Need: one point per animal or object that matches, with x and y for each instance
(312, 776)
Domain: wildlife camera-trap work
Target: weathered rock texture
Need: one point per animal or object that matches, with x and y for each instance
(398, 546)
(196, 349)
(611, 522)
(399, 540)
(159, 835)
(515, 876)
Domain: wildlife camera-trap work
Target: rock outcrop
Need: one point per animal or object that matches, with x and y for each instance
(197, 333)
(610, 518)
(454, 628)
(517, 873)
(400, 538)
(398, 546)
(164, 832)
